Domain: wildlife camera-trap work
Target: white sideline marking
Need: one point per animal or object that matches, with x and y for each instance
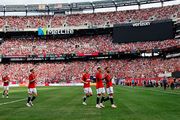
(12, 102)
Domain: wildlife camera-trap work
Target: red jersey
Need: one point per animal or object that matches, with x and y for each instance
(108, 80)
(5, 80)
(86, 78)
(32, 76)
(99, 83)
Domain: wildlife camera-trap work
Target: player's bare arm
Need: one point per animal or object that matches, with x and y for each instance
(84, 82)
(32, 81)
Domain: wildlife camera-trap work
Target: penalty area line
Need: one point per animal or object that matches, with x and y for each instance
(5, 103)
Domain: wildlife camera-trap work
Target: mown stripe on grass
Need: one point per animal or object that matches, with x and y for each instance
(153, 90)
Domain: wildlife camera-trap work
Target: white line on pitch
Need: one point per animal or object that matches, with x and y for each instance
(12, 102)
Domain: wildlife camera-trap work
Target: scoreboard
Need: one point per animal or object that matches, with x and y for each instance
(143, 31)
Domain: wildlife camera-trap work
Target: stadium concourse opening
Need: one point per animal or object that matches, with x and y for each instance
(128, 60)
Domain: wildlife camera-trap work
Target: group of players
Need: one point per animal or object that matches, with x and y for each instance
(101, 92)
(32, 91)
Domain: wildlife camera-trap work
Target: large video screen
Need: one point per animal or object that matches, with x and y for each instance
(143, 31)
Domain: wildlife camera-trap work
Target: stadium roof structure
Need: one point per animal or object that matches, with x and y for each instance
(79, 6)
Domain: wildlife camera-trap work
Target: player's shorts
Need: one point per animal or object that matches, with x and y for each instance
(87, 90)
(109, 90)
(32, 90)
(6, 87)
(100, 90)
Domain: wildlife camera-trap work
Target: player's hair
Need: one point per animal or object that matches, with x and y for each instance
(106, 68)
(98, 67)
(31, 70)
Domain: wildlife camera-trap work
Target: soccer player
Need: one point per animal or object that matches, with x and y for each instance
(109, 86)
(87, 88)
(164, 82)
(171, 83)
(6, 81)
(99, 88)
(32, 92)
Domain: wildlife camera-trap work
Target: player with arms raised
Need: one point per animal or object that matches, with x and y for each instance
(87, 88)
(109, 86)
(32, 92)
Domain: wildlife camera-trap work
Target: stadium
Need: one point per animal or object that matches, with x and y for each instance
(90, 60)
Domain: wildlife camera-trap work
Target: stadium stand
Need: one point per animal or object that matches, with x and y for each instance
(99, 43)
(21, 22)
(72, 71)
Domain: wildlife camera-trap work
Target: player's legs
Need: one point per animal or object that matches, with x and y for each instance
(29, 97)
(84, 97)
(98, 98)
(111, 98)
(84, 100)
(5, 92)
(88, 93)
(110, 93)
(103, 92)
(164, 86)
(112, 101)
(34, 95)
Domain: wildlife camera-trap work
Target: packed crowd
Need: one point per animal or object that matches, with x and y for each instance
(72, 71)
(99, 43)
(21, 22)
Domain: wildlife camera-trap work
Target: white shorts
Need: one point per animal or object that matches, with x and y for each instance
(87, 90)
(32, 90)
(110, 90)
(100, 90)
(6, 87)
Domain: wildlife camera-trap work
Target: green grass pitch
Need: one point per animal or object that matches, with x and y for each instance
(65, 103)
